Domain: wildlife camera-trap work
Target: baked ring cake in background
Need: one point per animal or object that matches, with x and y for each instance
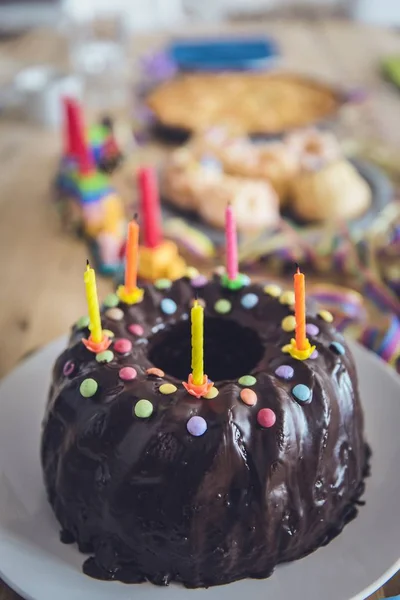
(161, 472)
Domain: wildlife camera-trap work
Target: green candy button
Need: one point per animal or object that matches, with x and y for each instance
(223, 306)
(143, 409)
(163, 284)
(111, 301)
(88, 388)
(247, 380)
(104, 357)
(83, 322)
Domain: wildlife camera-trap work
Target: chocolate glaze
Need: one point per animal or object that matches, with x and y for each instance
(151, 502)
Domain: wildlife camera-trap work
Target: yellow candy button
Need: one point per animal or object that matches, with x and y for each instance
(167, 388)
(289, 323)
(213, 393)
(273, 290)
(326, 315)
(287, 298)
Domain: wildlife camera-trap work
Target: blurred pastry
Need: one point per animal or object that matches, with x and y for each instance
(256, 204)
(336, 191)
(312, 148)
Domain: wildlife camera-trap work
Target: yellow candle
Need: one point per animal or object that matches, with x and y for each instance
(93, 305)
(197, 319)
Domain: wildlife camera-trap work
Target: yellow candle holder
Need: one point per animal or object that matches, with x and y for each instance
(198, 390)
(97, 347)
(127, 297)
(296, 353)
(161, 262)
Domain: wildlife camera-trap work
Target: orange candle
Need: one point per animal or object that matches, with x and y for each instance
(131, 266)
(300, 310)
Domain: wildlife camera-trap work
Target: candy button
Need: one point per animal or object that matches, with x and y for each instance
(266, 417)
(68, 368)
(314, 354)
(338, 348)
(168, 306)
(167, 388)
(248, 396)
(285, 372)
(104, 357)
(122, 346)
(143, 409)
(127, 373)
(222, 306)
(273, 290)
(245, 279)
(88, 388)
(213, 393)
(196, 426)
(116, 314)
(111, 301)
(312, 329)
(249, 301)
(287, 297)
(83, 322)
(136, 329)
(288, 323)
(302, 393)
(110, 334)
(156, 372)
(326, 315)
(247, 380)
(199, 281)
(191, 273)
(163, 284)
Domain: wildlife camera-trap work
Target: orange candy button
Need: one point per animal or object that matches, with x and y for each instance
(248, 396)
(156, 372)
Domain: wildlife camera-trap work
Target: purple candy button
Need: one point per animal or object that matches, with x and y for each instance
(312, 329)
(196, 426)
(69, 368)
(199, 281)
(314, 354)
(285, 372)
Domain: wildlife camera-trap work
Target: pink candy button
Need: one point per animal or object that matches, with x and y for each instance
(266, 417)
(122, 346)
(136, 329)
(127, 373)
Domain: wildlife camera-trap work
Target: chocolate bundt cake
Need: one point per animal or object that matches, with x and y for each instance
(159, 485)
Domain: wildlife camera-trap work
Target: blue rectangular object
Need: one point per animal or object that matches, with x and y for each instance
(223, 54)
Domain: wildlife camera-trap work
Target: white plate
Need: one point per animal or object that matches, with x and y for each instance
(39, 567)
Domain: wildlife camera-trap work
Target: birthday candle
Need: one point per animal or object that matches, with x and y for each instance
(231, 244)
(93, 305)
(150, 207)
(300, 310)
(131, 257)
(197, 320)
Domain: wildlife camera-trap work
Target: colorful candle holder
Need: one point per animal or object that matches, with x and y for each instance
(130, 297)
(97, 347)
(294, 351)
(161, 262)
(198, 391)
(234, 284)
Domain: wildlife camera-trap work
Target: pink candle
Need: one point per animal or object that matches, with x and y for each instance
(231, 244)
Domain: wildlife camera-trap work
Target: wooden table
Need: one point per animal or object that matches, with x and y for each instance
(41, 267)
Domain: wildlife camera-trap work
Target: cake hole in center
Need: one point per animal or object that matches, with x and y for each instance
(230, 350)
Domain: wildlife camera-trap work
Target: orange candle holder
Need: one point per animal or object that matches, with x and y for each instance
(294, 351)
(161, 262)
(97, 347)
(198, 390)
